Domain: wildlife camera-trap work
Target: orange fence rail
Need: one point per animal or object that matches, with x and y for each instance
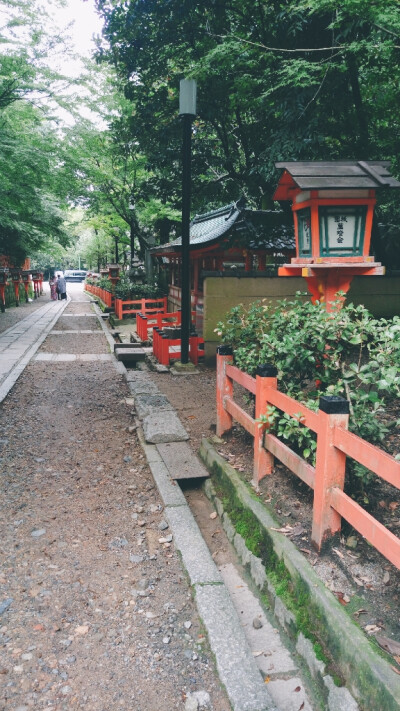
(106, 296)
(143, 306)
(144, 324)
(334, 444)
(166, 348)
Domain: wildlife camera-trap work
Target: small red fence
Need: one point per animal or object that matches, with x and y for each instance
(143, 306)
(167, 348)
(105, 296)
(144, 324)
(334, 443)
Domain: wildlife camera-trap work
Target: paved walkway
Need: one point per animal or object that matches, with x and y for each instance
(238, 662)
(19, 343)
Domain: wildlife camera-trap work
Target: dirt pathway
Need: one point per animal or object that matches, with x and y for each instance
(95, 613)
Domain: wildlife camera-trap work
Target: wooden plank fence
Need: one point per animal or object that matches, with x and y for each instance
(106, 296)
(136, 306)
(334, 444)
(144, 324)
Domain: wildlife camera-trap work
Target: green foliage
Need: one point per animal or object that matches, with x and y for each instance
(266, 76)
(346, 352)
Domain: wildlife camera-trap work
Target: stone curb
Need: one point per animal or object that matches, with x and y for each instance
(369, 678)
(235, 663)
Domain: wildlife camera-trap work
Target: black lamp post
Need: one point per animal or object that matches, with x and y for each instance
(187, 109)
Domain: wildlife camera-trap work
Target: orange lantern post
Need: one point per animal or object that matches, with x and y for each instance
(26, 278)
(333, 206)
(36, 282)
(16, 280)
(3, 284)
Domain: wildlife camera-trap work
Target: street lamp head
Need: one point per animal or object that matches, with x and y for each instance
(187, 97)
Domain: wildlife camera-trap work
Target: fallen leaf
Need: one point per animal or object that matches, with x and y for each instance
(266, 680)
(386, 578)
(302, 706)
(395, 669)
(213, 515)
(371, 629)
(215, 532)
(338, 552)
(393, 505)
(285, 530)
(298, 688)
(390, 645)
(257, 654)
(359, 612)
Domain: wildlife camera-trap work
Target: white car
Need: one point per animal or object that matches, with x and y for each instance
(75, 275)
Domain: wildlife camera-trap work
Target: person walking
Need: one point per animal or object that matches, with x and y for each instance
(53, 287)
(62, 287)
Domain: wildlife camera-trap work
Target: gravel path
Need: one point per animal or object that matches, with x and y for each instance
(95, 612)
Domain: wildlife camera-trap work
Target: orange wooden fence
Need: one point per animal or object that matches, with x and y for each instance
(167, 348)
(144, 324)
(143, 306)
(106, 296)
(334, 444)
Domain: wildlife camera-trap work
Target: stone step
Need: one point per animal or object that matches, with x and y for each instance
(129, 355)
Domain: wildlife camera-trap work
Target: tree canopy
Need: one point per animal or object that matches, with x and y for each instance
(276, 80)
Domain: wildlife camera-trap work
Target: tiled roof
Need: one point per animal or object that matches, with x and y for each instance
(341, 174)
(259, 225)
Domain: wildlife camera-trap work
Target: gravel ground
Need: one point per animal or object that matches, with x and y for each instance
(95, 612)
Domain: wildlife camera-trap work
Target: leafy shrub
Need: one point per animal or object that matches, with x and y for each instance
(346, 352)
(129, 290)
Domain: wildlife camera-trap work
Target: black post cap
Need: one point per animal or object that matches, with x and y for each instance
(334, 405)
(266, 370)
(224, 350)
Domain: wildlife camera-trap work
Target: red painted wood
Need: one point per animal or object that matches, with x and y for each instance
(294, 408)
(380, 537)
(330, 470)
(241, 378)
(291, 460)
(377, 461)
(240, 415)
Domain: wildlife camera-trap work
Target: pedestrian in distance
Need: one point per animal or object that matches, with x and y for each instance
(53, 287)
(62, 287)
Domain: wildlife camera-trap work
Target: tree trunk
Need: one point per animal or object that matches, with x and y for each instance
(358, 104)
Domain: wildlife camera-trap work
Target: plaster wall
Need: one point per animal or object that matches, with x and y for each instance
(380, 295)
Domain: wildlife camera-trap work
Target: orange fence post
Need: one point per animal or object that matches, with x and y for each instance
(263, 460)
(224, 388)
(329, 469)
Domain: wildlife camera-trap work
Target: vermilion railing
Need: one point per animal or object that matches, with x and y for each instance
(144, 306)
(106, 296)
(166, 348)
(144, 324)
(334, 444)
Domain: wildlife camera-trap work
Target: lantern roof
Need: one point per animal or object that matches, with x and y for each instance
(264, 229)
(331, 175)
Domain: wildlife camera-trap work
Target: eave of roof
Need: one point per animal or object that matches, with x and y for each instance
(213, 227)
(331, 175)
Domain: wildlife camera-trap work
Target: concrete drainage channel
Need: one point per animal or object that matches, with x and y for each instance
(262, 669)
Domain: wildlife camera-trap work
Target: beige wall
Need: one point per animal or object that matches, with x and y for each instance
(381, 295)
